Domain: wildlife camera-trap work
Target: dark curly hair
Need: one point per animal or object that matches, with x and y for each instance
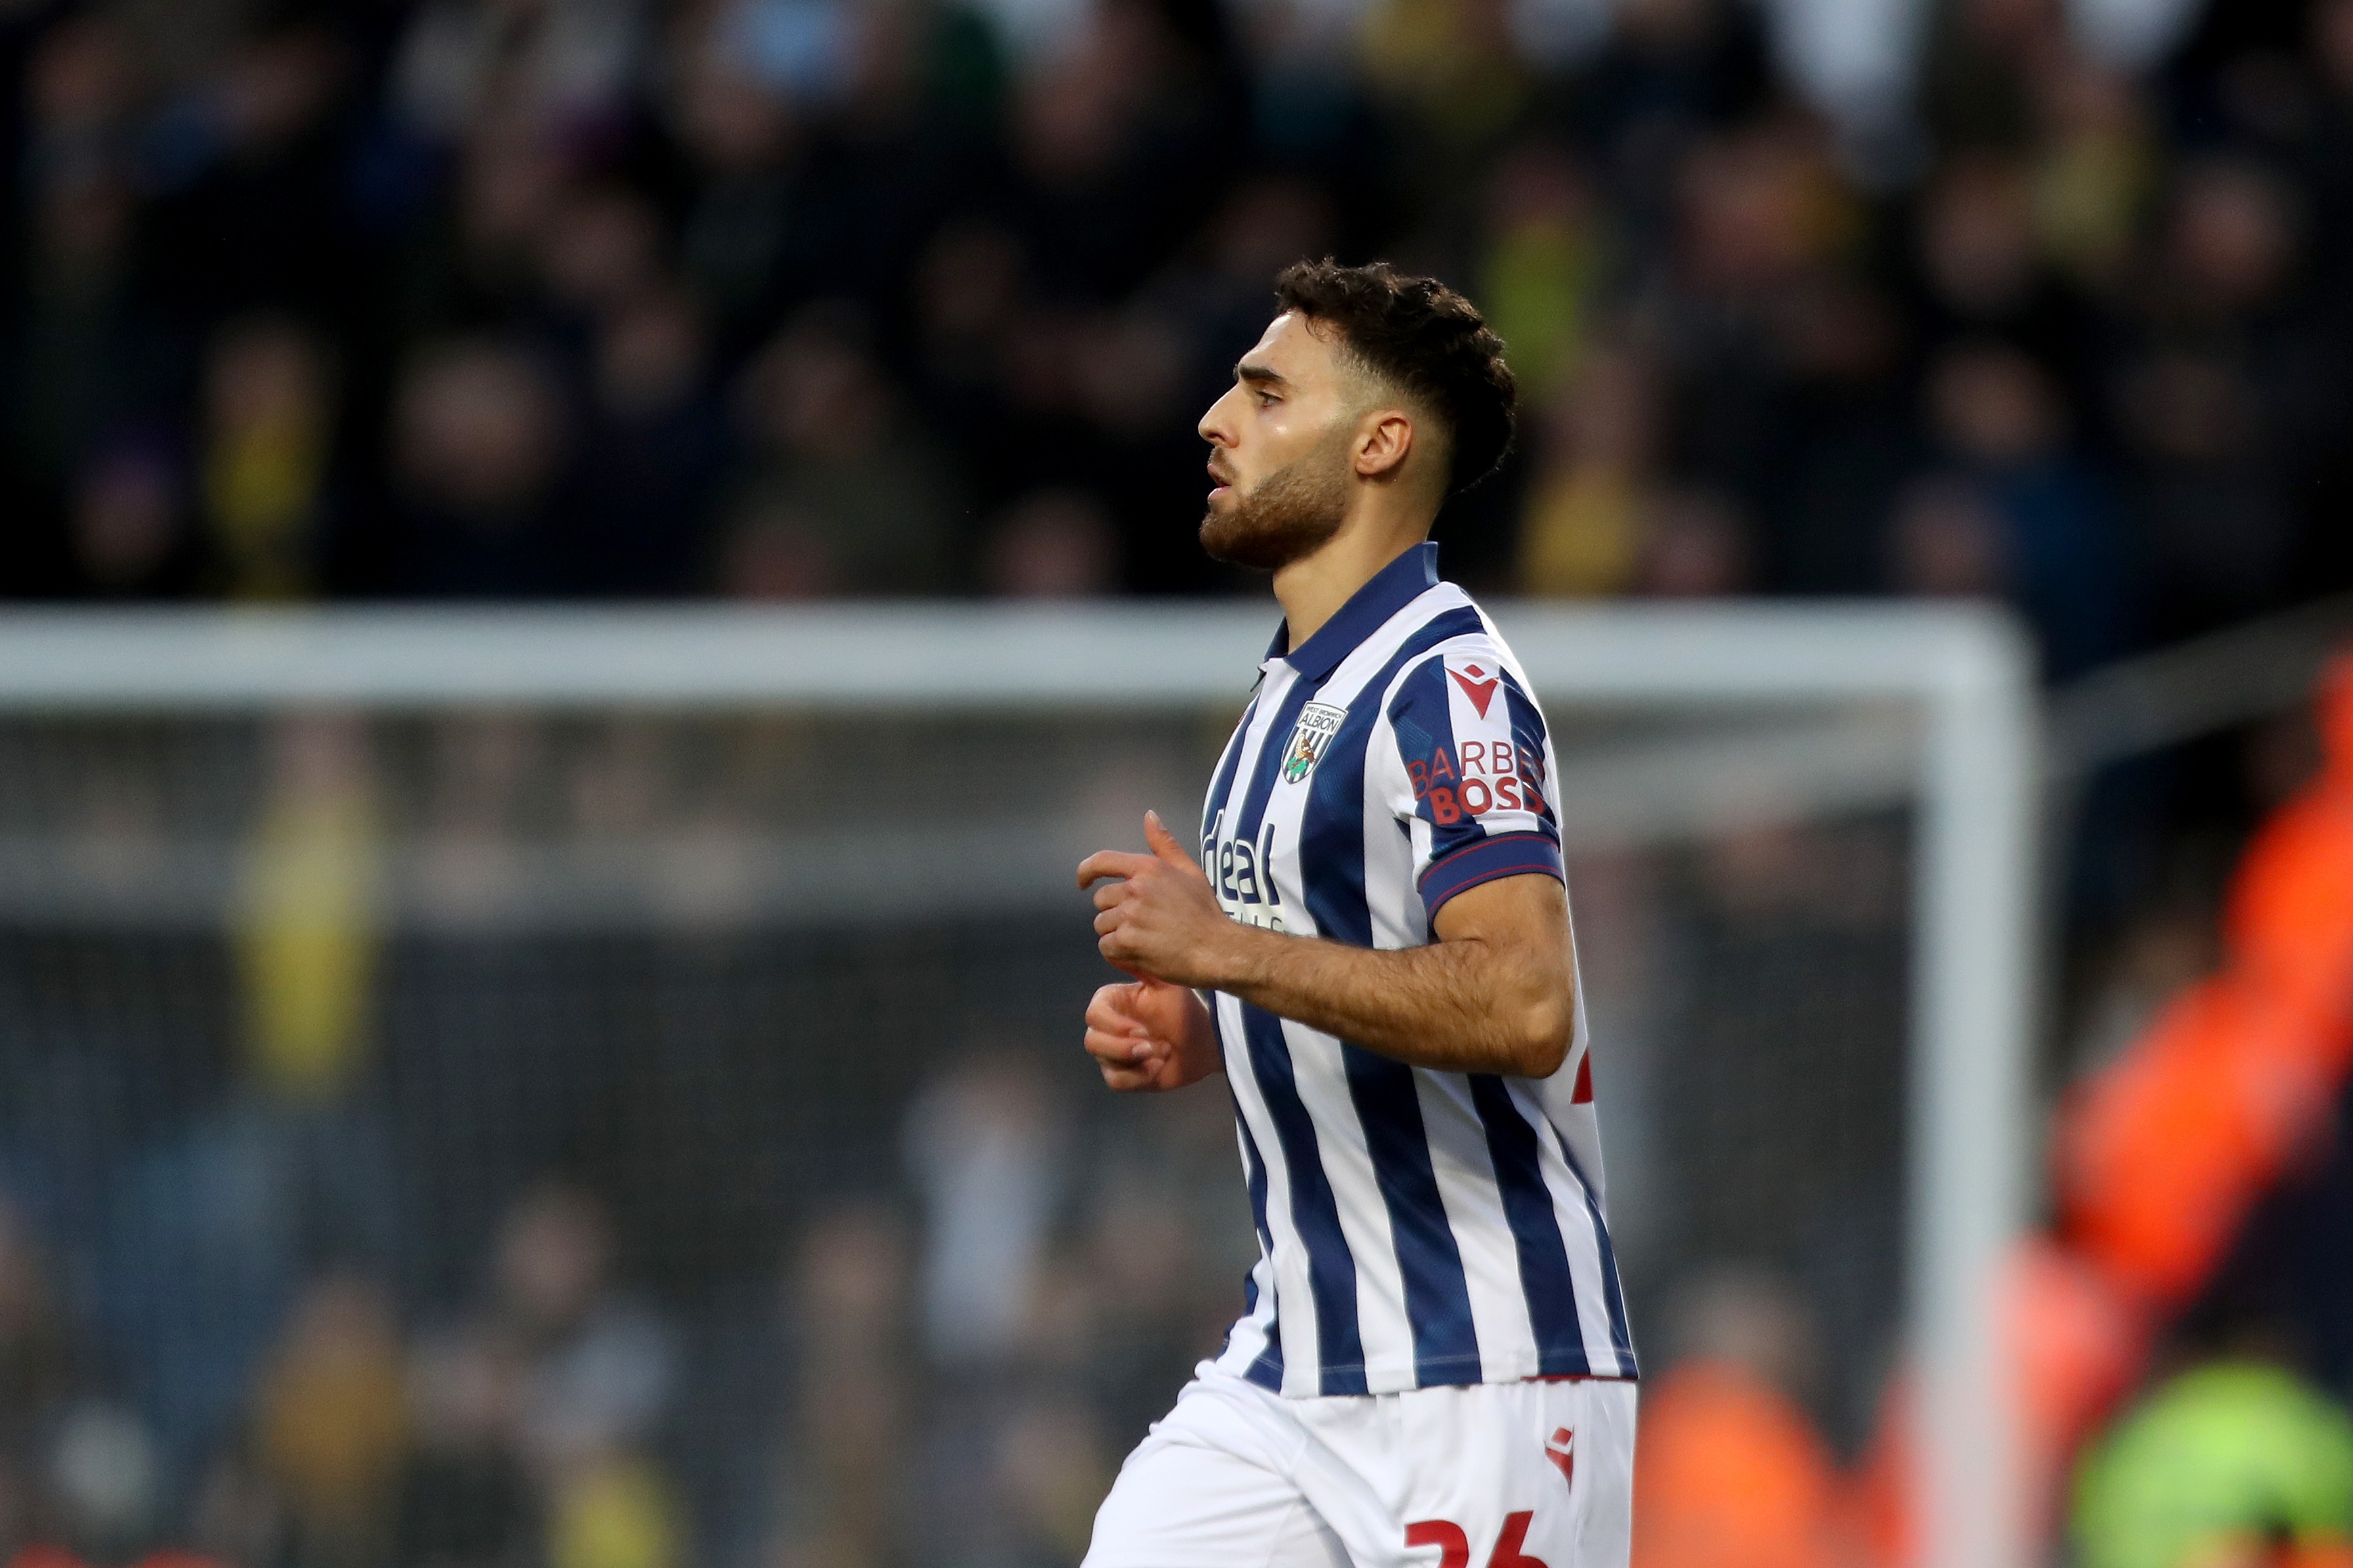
(1425, 339)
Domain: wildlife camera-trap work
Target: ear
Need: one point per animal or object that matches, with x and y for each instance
(1385, 440)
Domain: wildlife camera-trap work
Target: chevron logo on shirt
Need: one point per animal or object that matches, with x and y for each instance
(1480, 691)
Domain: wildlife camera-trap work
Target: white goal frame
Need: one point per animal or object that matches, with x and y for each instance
(1970, 765)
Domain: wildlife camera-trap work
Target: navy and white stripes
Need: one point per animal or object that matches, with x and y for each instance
(1416, 1227)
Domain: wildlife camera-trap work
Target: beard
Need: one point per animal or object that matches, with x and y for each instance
(1287, 515)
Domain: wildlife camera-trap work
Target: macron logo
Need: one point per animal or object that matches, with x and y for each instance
(1561, 1449)
(1480, 692)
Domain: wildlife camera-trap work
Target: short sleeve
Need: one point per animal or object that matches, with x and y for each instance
(1472, 785)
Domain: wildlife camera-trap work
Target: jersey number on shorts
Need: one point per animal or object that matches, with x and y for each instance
(1455, 1546)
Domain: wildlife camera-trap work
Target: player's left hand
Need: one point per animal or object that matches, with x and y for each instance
(1159, 917)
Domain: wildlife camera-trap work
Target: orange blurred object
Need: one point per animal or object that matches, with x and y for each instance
(1730, 1474)
(2161, 1155)
(2288, 922)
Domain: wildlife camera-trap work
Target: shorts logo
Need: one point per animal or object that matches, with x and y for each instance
(1561, 1449)
(1318, 722)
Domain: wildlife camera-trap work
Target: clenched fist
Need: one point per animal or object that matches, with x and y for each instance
(1148, 1034)
(1159, 920)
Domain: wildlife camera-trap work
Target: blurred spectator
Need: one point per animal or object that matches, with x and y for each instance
(1982, 266)
(1762, 223)
(249, 213)
(479, 444)
(479, 766)
(2231, 394)
(1949, 543)
(234, 1513)
(566, 66)
(599, 1367)
(1454, 71)
(846, 1437)
(77, 354)
(656, 452)
(1667, 72)
(1055, 545)
(774, 556)
(307, 911)
(41, 1371)
(1695, 547)
(1111, 148)
(1543, 263)
(105, 1480)
(743, 246)
(332, 1424)
(267, 439)
(614, 1510)
(1984, 62)
(967, 286)
(600, 251)
(1143, 1254)
(836, 467)
(472, 263)
(465, 1500)
(1052, 1468)
(2156, 956)
(79, 338)
(2214, 1467)
(2054, 549)
(1730, 1473)
(1581, 533)
(1847, 441)
(128, 518)
(2095, 174)
(985, 1147)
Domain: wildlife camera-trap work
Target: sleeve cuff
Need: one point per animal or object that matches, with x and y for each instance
(1489, 860)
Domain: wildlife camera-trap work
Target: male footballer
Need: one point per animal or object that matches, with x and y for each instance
(1432, 1366)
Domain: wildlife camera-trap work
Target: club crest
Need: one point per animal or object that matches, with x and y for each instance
(1317, 724)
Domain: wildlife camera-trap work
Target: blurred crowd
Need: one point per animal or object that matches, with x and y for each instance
(783, 299)
(389, 1216)
(946, 1372)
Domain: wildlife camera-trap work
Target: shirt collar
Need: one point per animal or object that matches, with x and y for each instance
(1391, 589)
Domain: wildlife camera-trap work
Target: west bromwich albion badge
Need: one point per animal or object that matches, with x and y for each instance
(1318, 722)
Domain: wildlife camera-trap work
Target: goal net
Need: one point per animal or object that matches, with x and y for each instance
(607, 1087)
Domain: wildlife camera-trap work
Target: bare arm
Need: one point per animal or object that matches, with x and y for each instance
(1493, 993)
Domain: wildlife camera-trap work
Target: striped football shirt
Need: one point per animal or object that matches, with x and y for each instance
(1416, 1228)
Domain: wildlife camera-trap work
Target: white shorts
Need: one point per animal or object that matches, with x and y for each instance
(1503, 1475)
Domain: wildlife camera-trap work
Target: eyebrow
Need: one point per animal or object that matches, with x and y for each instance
(1257, 374)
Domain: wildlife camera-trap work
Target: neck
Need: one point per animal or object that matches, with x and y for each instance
(1312, 588)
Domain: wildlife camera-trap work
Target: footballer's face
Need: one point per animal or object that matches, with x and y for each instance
(1279, 449)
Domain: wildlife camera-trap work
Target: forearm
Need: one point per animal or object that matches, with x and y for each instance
(1455, 1006)
(1495, 992)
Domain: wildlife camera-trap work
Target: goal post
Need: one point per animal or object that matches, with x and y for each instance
(1745, 712)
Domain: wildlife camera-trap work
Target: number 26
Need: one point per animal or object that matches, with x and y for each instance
(1455, 1546)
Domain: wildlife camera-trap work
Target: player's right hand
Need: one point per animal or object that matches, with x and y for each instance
(1147, 1035)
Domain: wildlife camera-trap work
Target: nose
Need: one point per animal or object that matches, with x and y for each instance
(1217, 425)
